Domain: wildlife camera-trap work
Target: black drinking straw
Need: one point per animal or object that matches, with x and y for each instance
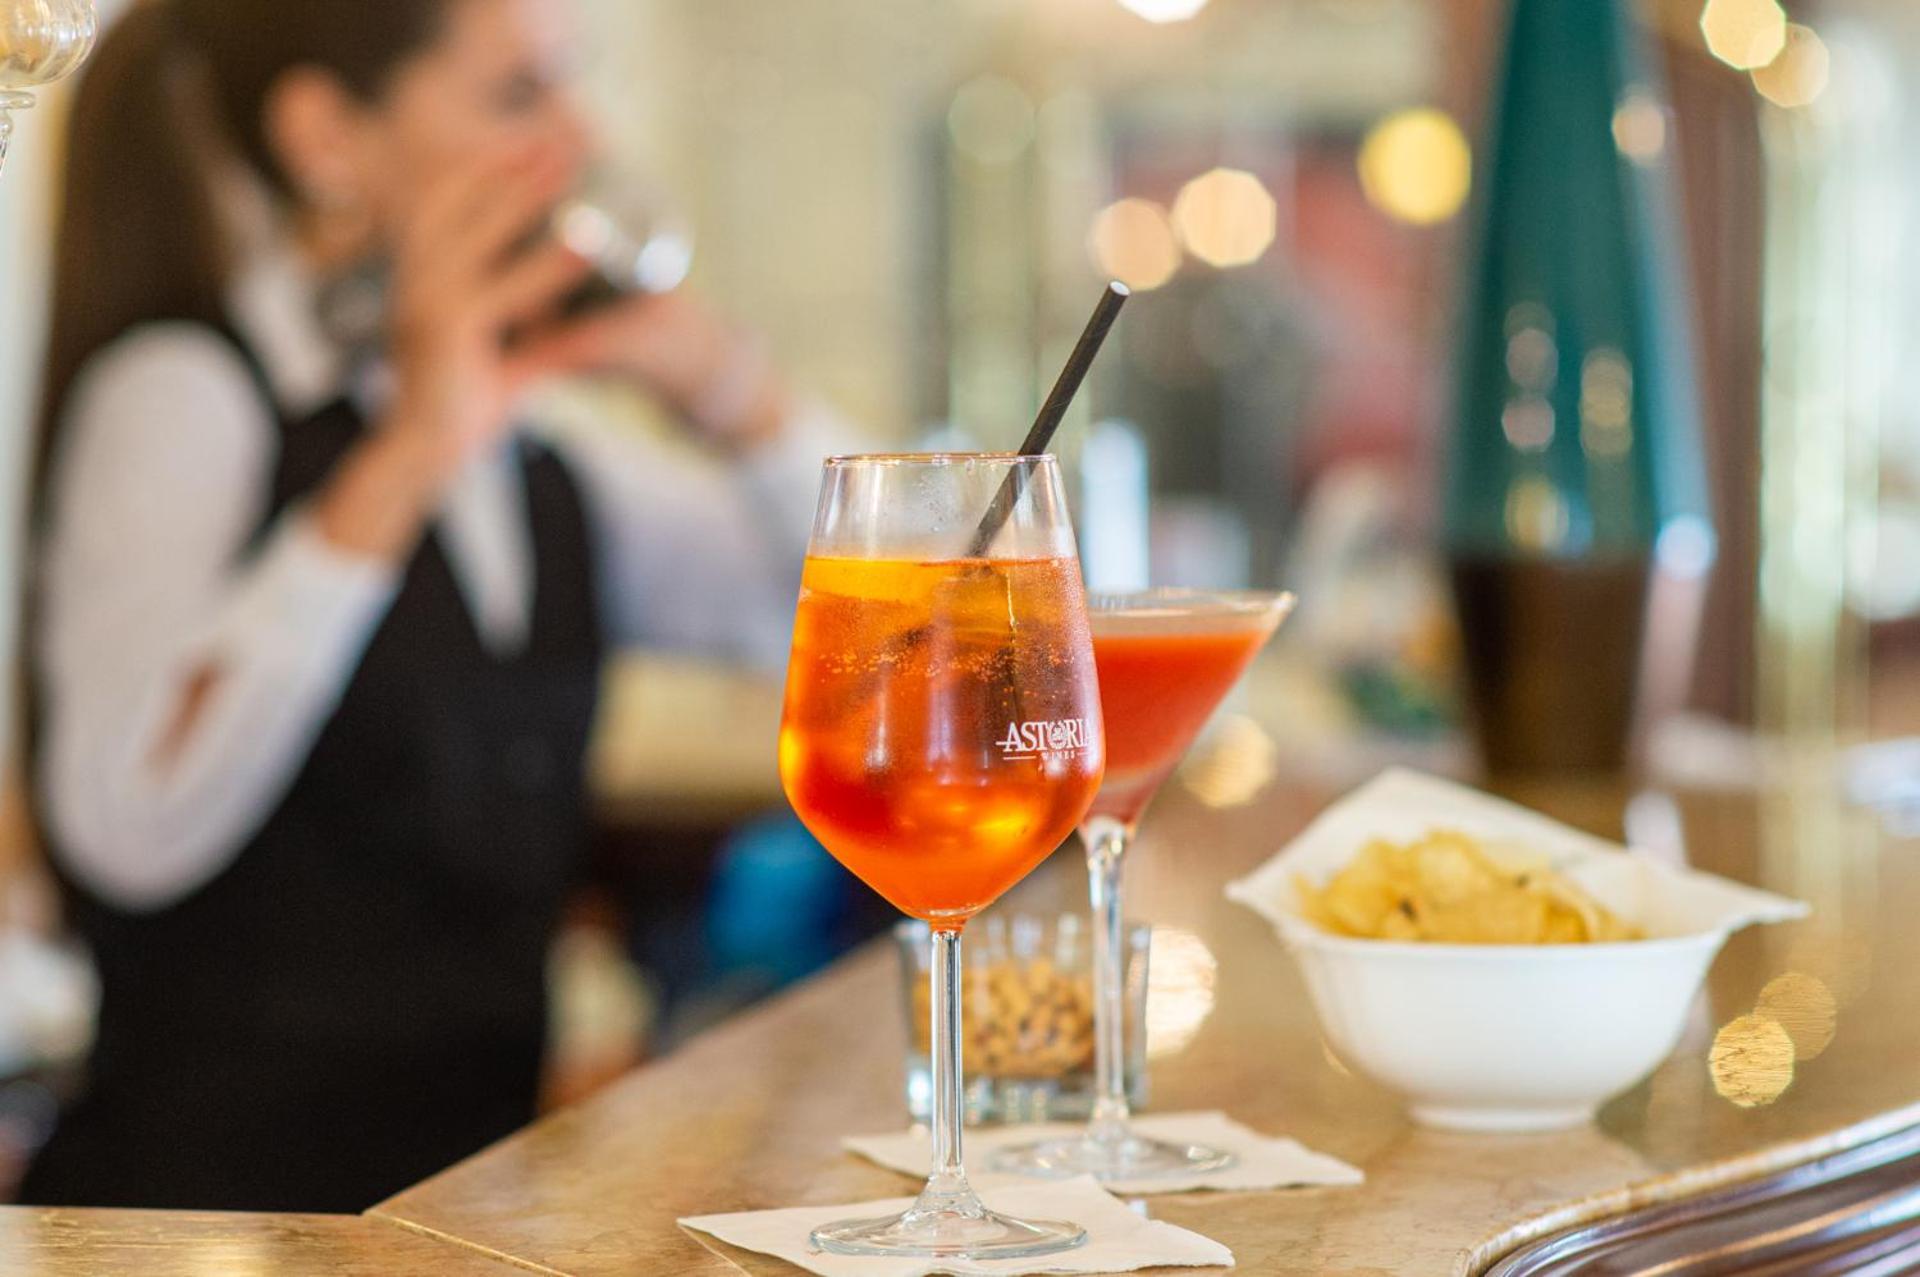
(1052, 413)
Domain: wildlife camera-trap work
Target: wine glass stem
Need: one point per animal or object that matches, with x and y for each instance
(948, 1184)
(1106, 840)
(10, 102)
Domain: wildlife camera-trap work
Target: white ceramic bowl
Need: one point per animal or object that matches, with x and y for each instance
(1499, 1037)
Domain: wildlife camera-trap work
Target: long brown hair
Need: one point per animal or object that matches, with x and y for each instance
(174, 83)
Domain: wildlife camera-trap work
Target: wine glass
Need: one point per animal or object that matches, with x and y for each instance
(1166, 660)
(941, 737)
(41, 41)
(631, 233)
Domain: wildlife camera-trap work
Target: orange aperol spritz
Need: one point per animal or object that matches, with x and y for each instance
(939, 737)
(942, 736)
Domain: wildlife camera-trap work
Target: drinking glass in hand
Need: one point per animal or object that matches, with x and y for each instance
(635, 241)
(941, 737)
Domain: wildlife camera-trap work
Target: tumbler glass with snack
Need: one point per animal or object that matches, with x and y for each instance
(1027, 1017)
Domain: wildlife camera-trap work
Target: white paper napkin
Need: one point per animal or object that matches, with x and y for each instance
(1118, 1240)
(1264, 1161)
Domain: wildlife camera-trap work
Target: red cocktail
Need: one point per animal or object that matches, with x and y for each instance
(1163, 672)
(1166, 661)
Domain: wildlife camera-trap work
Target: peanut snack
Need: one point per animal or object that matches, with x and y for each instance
(1019, 1019)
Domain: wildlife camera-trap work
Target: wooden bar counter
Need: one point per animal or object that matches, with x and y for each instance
(750, 1115)
(106, 1243)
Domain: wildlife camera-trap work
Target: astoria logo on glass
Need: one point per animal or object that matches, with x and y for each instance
(1038, 739)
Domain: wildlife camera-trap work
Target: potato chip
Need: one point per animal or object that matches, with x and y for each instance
(1495, 917)
(1448, 888)
(1450, 868)
(1571, 901)
(1367, 893)
(1564, 926)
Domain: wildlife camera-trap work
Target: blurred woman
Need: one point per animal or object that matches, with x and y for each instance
(318, 627)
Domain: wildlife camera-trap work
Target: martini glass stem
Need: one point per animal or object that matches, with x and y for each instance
(1106, 840)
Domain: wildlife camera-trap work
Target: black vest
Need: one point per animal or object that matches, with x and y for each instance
(359, 999)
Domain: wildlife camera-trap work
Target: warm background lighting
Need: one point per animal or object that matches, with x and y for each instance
(1226, 217)
(1133, 241)
(1416, 166)
(1799, 74)
(1164, 10)
(1744, 33)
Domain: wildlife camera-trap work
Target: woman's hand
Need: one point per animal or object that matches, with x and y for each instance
(712, 375)
(463, 285)
(464, 282)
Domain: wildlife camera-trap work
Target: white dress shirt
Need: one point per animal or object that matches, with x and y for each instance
(163, 472)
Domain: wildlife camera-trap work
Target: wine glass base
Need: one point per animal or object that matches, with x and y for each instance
(950, 1234)
(1109, 1161)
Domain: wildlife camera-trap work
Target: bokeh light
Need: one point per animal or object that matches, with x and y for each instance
(1751, 1061)
(1537, 516)
(1606, 404)
(1533, 359)
(1805, 1007)
(1416, 166)
(1800, 74)
(1164, 10)
(1133, 241)
(1744, 33)
(1528, 423)
(1640, 127)
(1226, 217)
(1235, 765)
(1180, 996)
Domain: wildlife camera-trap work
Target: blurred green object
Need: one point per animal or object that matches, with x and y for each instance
(1392, 698)
(1575, 478)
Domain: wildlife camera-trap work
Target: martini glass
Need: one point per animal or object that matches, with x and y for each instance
(941, 737)
(1167, 658)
